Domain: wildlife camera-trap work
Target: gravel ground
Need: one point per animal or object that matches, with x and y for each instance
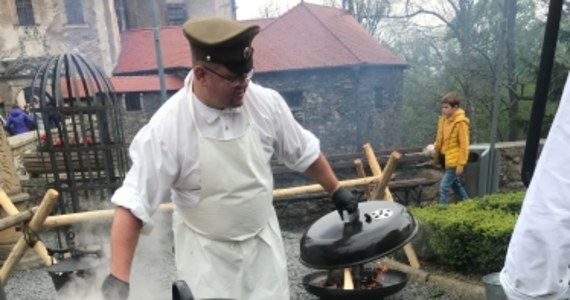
(154, 272)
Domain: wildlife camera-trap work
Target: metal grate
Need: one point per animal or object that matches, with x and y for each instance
(81, 141)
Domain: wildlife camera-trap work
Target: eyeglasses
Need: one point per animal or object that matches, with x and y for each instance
(234, 81)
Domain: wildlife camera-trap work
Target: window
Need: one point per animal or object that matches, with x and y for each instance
(176, 13)
(25, 12)
(293, 98)
(74, 11)
(133, 102)
(379, 97)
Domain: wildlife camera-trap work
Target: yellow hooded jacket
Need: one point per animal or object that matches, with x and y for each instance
(452, 140)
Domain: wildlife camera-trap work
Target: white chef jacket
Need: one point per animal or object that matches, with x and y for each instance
(165, 154)
(538, 256)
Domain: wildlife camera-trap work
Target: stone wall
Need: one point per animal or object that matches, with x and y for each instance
(511, 165)
(19, 145)
(345, 107)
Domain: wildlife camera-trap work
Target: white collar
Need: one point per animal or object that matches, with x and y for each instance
(212, 114)
(208, 113)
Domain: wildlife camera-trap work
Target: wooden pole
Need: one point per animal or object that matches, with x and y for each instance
(99, 215)
(379, 192)
(17, 252)
(18, 218)
(300, 190)
(362, 173)
(11, 210)
(376, 170)
(375, 166)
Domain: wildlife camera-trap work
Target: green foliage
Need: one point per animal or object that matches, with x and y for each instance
(458, 52)
(473, 235)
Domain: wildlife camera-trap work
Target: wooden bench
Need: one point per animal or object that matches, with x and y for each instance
(343, 161)
(411, 188)
(37, 163)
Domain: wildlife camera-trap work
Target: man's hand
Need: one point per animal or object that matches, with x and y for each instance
(343, 199)
(459, 170)
(115, 289)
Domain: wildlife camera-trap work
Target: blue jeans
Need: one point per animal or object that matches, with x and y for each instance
(450, 180)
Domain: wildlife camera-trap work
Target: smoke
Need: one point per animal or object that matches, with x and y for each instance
(153, 269)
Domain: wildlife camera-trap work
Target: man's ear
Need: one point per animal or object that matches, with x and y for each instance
(199, 74)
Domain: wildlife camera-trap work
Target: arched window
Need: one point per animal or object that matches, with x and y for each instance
(25, 12)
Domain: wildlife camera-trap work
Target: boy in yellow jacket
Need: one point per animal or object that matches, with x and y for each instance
(451, 146)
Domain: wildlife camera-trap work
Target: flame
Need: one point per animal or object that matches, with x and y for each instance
(383, 268)
(348, 282)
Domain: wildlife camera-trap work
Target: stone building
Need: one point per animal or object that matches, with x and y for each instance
(340, 83)
(31, 31)
(134, 14)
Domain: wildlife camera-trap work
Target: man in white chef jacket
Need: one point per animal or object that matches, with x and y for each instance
(210, 145)
(538, 256)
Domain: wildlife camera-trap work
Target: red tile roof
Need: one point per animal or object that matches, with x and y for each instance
(312, 36)
(126, 84)
(138, 52)
(307, 36)
(122, 84)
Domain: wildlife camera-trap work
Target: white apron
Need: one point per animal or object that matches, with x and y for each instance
(229, 245)
(538, 257)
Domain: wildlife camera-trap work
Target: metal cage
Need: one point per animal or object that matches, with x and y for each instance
(80, 135)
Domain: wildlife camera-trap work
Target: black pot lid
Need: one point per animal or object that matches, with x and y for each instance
(382, 228)
(74, 264)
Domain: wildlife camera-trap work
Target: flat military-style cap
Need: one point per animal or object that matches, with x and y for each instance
(222, 41)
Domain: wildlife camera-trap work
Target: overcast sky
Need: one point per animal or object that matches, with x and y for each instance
(253, 9)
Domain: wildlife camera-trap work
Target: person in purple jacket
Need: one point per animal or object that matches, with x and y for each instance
(19, 121)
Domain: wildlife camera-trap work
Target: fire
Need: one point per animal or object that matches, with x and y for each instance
(368, 278)
(383, 268)
(348, 282)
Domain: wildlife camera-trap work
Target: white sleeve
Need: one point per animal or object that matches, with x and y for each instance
(295, 146)
(536, 266)
(150, 177)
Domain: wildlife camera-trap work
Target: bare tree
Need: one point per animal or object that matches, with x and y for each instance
(460, 18)
(270, 10)
(368, 13)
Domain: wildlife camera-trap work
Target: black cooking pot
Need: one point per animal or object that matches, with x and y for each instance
(63, 271)
(181, 291)
(393, 281)
(382, 228)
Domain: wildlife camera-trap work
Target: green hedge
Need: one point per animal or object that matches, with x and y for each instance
(471, 236)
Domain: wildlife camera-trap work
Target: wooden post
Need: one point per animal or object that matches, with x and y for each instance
(39, 217)
(375, 166)
(11, 210)
(379, 192)
(377, 171)
(362, 173)
(16, 219)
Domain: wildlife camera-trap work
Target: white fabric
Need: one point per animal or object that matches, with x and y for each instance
(165, 154)
(237, 188)
(255, 269)
(225, 245)
(538, 256)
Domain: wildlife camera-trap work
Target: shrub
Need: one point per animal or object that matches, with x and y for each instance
(472, 235)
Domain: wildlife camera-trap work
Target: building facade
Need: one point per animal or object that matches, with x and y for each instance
(31, 31)
(134, 14)
(340, 84)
